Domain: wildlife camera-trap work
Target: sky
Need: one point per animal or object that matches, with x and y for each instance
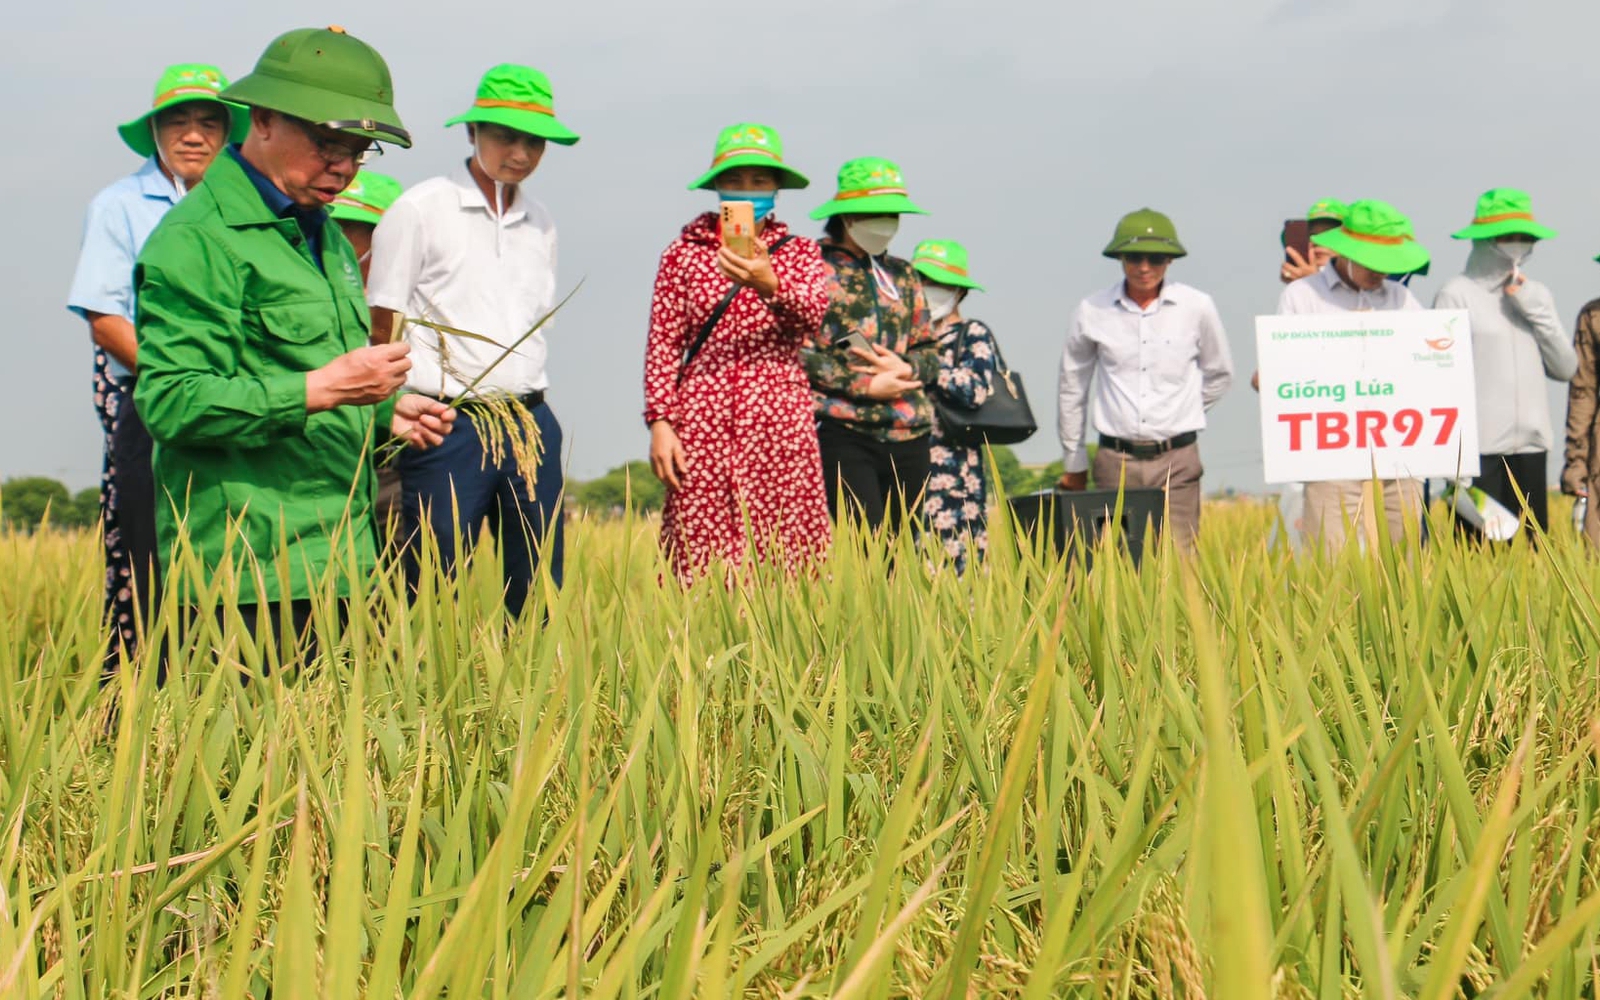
(1025, 128)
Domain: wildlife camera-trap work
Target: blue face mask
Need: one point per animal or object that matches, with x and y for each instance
(761, 201)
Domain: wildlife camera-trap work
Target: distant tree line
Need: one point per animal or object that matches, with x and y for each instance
(26, 501)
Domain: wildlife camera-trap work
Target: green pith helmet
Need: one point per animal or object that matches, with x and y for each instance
(749, 145)
(1501, 212)
(869, 185)
(1327, 210)
(328, 77)
(366, 199)
(1145, 231)
(181, 84)
(943, 262)
(518, 97)
(1376, 236)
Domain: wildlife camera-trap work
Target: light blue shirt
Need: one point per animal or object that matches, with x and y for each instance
(120, 219)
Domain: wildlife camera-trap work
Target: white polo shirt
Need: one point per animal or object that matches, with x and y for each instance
(442, 254)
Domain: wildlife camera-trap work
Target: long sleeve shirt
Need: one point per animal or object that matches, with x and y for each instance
(881, 299)
(1154, 370)
(1518, 343)
(1579, 470)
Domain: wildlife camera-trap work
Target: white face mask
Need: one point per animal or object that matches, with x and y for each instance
(1516, 252)
(873, 235)
(942, 300)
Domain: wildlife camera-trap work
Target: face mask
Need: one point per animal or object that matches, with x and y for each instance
(1516, 252)
(942, 300)
(873, 235)
(761, 201)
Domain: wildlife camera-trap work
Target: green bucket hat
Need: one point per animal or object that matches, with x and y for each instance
(869, 185)
(518, 97)
(1502, 211)
(943, 262)
(325, 76)
(1145, 231)
(181, 84)
(1376, 236)
(1328, 209)
(749, 145)
(366, 199)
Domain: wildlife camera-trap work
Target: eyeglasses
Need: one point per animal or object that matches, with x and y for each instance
(1153, 259)
(332, 151)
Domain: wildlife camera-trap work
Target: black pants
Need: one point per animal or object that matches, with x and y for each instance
(136, 592)
(1501, 476)
(883, 481)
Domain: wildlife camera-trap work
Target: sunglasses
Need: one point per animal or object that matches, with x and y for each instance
(1153, 259)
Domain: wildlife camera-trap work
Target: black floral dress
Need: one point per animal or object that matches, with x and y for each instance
(957, 498)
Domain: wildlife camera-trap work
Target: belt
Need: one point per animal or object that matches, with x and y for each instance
(1148, 449)
(531, 400)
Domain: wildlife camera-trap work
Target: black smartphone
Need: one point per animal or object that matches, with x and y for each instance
(1297, 237)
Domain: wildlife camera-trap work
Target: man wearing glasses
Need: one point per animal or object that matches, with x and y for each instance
(256, 379)
(1158, 359)
(473, 251)
(185, 128)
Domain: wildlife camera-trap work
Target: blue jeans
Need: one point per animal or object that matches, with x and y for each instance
(456, 490)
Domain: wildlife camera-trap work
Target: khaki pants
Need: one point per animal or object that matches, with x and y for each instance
(1178, 472)
(1591, 515)
(1333, 505)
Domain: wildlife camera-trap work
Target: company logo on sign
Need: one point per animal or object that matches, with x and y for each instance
(1441, 344)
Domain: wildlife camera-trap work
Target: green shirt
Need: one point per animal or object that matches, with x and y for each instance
(232, 313)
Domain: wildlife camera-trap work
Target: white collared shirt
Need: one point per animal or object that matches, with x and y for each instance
(442, 254)
(1326, 292)
(1155, 371)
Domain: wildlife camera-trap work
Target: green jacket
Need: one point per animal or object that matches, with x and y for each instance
(232, 313)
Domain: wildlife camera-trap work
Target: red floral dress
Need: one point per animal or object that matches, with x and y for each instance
(743, 408)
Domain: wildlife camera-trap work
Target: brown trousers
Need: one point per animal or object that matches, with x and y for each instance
(1337, 505)
(1178, 472)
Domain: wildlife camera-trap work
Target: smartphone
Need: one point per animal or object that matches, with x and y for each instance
(739, 227)
(1297, 236)
(853, 339)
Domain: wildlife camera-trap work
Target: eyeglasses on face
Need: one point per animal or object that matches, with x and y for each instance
(1153, 259)
(332, 151)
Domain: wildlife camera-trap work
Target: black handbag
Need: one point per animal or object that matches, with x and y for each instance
(1004, 418)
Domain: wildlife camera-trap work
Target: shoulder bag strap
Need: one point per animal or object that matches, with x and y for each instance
(716, 317)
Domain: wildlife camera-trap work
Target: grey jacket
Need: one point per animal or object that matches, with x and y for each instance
(1517, 343)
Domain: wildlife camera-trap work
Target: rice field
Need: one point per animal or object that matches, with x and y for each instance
(1239, 775)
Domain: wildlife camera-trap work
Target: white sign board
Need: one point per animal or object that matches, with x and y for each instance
(1347, 395)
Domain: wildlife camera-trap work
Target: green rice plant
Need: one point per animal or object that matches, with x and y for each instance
(1232, 774)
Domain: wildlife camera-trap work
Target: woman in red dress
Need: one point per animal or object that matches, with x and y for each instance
(733, 432)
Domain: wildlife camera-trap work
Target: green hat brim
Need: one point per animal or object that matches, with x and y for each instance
(544, 126)
(1489, 230)
(349, 213)
(939, 276)
(880, 204)
(136, 134)
(314, 104)
(1385, 258)
(1172, 248)
(789, 179)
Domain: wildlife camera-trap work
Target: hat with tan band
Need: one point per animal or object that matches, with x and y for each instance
(1376, 236)
(518, 97)
(869, 185)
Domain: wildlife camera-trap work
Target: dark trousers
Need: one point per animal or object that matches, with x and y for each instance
(883, 481)
(452, 490)
(134, 569)
(1501, 476)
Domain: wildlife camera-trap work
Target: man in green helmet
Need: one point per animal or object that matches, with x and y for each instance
(187, 125)
(256, 380)
(1159, 359)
